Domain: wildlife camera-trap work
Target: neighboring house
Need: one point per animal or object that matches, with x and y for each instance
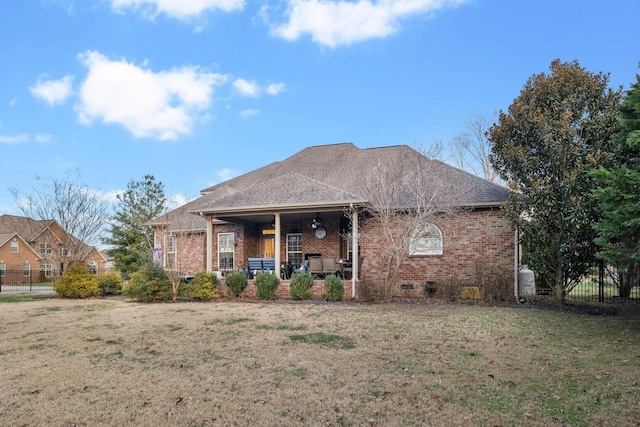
(41, 245)
(307, 205)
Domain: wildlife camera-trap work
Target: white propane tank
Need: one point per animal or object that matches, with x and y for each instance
(526, 282)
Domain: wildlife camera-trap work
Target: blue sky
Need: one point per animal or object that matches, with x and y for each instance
(198, 91)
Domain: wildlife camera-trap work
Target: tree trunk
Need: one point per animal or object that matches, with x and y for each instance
(559, 284)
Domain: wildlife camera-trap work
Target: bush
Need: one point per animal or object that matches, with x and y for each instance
(148, 284)
(110, 283)
(204, 286)
(42, 278)
(333, 288)
(266, 285)
(236, 283)
(76, 282)
(300, 286)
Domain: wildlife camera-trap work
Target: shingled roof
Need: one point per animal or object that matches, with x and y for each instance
(326, 175)
(332, 175)
(28, 228)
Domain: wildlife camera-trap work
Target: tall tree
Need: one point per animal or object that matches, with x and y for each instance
(78, 209)
(618, 194)
(471, 148)
(556, 131)
(131, 240)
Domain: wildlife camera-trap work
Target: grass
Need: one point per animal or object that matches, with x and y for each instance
(113, 362)
(27, 296)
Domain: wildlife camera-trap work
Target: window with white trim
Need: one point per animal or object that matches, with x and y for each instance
(294, 249)
(47, 268)
(427, 240)
(170, 252)
(3, 267)
(26, 269)
(45, 248)
(92, 267)
(225, 251)
(14, 246)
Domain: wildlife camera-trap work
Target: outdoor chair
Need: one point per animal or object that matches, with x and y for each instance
(304, 268)
(315, 267)
(329, 266)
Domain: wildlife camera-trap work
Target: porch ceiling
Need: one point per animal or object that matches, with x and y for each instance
(300, 218)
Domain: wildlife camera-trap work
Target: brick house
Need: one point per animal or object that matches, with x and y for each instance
(28, 246)
(308, 204)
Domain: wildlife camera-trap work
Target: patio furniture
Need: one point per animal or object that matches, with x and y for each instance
(348, 270)
(256, 265)
(304, 268)
(329, 266)
(315, 267)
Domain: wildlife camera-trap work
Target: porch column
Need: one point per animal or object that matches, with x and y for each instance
(277, 245)
(355, 251)
(209, 245)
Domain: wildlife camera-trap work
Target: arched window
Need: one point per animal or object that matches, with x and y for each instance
(92, 267)
(427, 240)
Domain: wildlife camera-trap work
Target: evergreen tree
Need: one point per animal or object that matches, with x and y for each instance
(131, 240)
(618, 194)
(556, 131)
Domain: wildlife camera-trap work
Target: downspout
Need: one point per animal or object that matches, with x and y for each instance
(355, 251)
(208, 237)
(516, 263)
(277, 246)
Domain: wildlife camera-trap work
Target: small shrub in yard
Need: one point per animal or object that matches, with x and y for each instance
(110, 283)
(266, 285)
(76, 282)
(236, 283)
(204, 286)
(300, 286)
(148, 284)
(42, 278)
(333, 288)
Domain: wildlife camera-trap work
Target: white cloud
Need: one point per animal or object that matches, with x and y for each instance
(332, 23)
(13, 102)
(246, 88)
(226, 174)
(15, 139)
(43, 138)
(162, 105)
(179, 9)
(52, 91)
(245, 114)
(275, 88)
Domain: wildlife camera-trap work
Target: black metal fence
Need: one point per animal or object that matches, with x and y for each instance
(31, 280)
(603, 284)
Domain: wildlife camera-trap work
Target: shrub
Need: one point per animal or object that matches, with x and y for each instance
(42, 278)
(110, 283)
(266, 285)
(300, 286)
(204, 286)
(236, 283)
(333, 288)
(76, 282)
(150, 283)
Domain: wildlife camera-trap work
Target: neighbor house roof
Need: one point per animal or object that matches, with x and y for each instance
(26, 227)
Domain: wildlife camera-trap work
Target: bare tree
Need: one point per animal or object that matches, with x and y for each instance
(471, 148)
(404, 195)
(182, 235)
(79, 210)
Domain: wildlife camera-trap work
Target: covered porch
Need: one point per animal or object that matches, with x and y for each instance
(317, 239)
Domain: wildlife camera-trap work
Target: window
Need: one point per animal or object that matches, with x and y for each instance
(294, 249)
(14, 246)
(92, 267)
(170, 252)
(45, 248)
(65, 252)
(426, 241)
(46, 268)
(26, 269)
(225, 251)
(2, 269)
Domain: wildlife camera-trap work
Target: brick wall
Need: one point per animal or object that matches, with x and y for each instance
(471, 238)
